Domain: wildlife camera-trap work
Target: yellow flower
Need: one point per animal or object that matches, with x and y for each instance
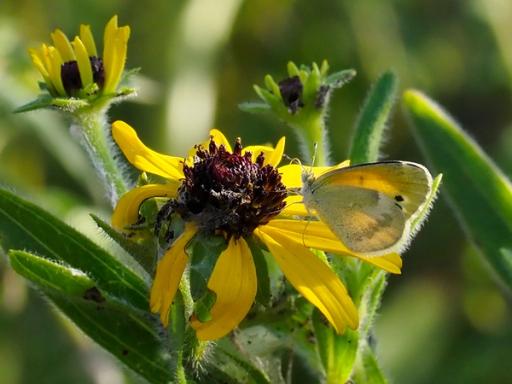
(71, 67)
(240, 193)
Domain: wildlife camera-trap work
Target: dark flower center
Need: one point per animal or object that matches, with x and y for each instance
(70, 75)
(228, 192)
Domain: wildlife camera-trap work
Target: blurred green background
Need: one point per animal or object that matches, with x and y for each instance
(445, 320)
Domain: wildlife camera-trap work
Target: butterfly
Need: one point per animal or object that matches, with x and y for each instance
(370, 207)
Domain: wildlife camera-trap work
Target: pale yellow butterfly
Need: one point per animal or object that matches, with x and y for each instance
(370, 207)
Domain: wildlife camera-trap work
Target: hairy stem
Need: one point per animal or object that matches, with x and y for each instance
(313, 141)
(95, 137)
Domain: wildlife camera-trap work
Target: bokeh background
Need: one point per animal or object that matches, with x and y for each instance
(445, 320)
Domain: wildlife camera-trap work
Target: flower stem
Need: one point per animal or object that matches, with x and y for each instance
(95, 137)
(313, 140)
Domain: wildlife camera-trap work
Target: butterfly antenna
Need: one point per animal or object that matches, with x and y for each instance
(313, 158)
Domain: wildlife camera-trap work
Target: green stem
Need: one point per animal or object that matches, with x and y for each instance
(312, 133)
(367, 369)
(95, 137)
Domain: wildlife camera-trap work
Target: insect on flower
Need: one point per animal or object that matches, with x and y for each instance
(241, 193)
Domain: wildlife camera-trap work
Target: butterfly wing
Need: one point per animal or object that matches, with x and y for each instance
(366, 221)
(407, 183)
(370, 206)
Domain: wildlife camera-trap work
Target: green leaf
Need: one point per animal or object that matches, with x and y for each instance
(477, 190)
(254, 107)
(43, 101)
(69, 104)
(254, 375)
(127, 334)
(367, 369)
(337, 352)
(204, 255)
(372, 119)
(48, 274)
(264, 294)
(23, 225)
(234, 364)
(370, 303)
(203, 306)
(339, 79)
(144, 253)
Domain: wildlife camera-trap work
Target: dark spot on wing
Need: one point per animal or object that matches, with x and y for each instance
(399, 198)
(124, 352)
(399, 206)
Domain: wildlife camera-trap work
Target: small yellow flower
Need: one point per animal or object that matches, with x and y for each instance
(69, 67)
(240, 193)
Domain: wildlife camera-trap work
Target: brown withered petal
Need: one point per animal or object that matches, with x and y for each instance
(291, 92)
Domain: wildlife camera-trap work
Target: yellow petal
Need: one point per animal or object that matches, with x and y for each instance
(294, 207)
(234, 281)
(55, 61)
(272, 156)
(63, 45)
(84, 64)
(114, 53)
(45, 57)
(126, 211)
(143, 157)
(108, 42)
(168, 274)
(317, 235)
(292, 173)
(312, 278)
(37, 60)
(88, 40)
(219, 139)
(391, 262)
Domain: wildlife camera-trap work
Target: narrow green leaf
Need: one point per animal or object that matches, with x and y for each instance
(372, 119)
(23, 225)
(204, 255)
(70, 104)
(255, 375)
(203, 306)
(371, 301)
(143, 253)
(126, 333)
(254, 107)
(477, 190)
(234, 364)
(339, 79)
(44, 101)
(50, 275)
(367, 370)
(264, 294)
(337, 352)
